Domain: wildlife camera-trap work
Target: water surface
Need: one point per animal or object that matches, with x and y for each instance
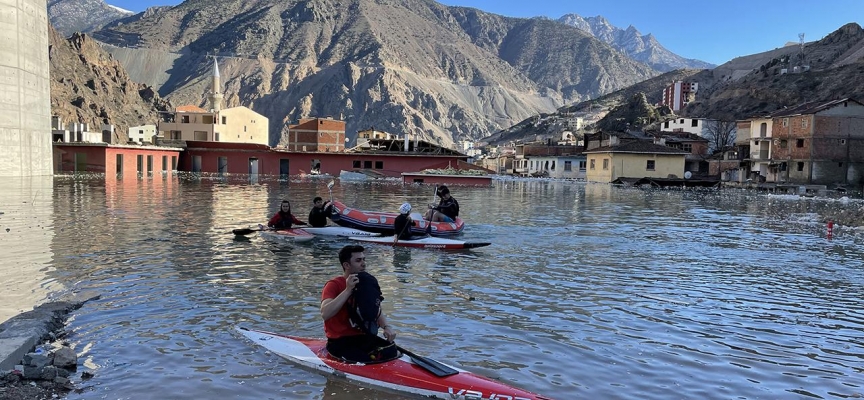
(588, 291)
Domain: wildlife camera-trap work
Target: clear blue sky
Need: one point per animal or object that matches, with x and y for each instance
(714, 31)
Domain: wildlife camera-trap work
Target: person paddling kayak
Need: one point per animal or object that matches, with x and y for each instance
(403, 223)
(283, 219)
(347, 339)
(320, 211)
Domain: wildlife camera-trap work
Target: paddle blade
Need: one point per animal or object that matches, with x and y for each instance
(435, 367)
(330, 184)
(243, 231)
(471, 245)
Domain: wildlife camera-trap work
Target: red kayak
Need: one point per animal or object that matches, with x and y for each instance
(382, 222)
(425, 242)
(408, 373)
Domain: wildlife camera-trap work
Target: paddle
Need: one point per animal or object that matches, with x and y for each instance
(246, 231)
(429, 364)
(429, 224)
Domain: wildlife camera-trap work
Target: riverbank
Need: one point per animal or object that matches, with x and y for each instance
(35, 362)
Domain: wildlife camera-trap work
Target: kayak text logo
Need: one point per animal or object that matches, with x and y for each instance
(475, 395)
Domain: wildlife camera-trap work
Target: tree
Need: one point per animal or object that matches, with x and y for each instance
(721, 135)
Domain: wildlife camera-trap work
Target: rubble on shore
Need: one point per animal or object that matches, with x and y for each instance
(35, 361)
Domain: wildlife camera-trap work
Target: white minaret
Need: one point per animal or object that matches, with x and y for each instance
(215, 91)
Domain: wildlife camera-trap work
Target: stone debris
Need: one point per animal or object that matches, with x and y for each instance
(45, 371)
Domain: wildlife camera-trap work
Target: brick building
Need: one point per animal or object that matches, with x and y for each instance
(316, 134)
(819, 143)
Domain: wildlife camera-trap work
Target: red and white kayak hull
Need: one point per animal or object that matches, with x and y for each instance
(401, 374)
(426, 242)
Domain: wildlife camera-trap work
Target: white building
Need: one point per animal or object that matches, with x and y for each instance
(142, 134)
(697, 126)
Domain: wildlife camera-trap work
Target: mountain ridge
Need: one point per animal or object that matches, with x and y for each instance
(642, 48)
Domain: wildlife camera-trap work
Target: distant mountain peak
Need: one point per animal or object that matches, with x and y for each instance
(630, 41)
(70, 16)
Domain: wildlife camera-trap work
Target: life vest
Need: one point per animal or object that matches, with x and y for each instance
(364, 305)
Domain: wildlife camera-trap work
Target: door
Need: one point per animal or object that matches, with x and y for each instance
(196, 164)
(253, 166)
(283, 168)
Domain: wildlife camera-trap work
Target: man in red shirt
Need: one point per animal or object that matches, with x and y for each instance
(343, 339)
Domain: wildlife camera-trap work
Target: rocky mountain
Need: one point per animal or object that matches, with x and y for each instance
(70, 16)
(88, 85)
(404, 66)
(642, 48)
(832, 67)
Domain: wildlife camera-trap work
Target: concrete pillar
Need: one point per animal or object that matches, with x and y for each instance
(25, 91)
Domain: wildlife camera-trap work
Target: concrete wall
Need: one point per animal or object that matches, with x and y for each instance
(25, 92)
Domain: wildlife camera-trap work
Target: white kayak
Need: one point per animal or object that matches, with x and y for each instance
(423, 242)
(294, 235)
(339, 231)
(409, 373)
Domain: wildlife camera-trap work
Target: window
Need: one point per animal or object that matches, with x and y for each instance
(803, 122)
(694, 123)
(782, 166)
(119, 164)
(185, 119)
(224, 120)
(682, 121)
(553, 166)
(783, 143)
(582, 165)
(800, 166)
(367, 164)
(605, 164)
(799, 143)
(164, 163)
(174, 135)
(379, 164)
(244, 128)
(666, 124)
(650, 165)
(173, 163)
(355, 164)
(207, 119)
(568, 166)
(785, 122)
(688, 147)
(140, 163)
(200, 135)
(149, 165)
(592, 164)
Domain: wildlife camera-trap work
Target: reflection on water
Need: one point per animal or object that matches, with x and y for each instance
(587, 291)
(26, 233)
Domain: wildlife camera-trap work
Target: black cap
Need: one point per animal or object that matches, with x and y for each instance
(442, 190)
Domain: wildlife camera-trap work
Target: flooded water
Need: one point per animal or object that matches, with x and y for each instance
(588, 291)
